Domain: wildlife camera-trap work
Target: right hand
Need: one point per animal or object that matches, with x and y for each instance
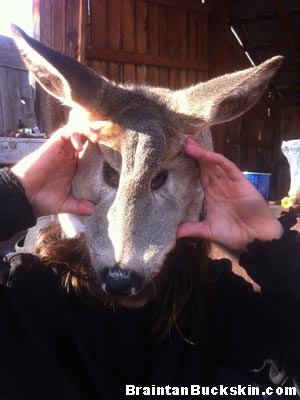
(236, 212)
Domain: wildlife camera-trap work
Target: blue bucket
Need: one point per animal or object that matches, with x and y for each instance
(261, 181)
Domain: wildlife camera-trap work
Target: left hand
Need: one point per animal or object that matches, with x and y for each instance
(236, 213)
(47, 174)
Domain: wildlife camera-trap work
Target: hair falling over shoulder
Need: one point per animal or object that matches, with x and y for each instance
(70, 258)
(182, 289)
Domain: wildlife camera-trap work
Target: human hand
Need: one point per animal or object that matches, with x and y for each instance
(236, 213)
(47, 174)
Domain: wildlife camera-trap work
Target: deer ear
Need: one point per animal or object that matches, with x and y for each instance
(61, 76)
(224, 98)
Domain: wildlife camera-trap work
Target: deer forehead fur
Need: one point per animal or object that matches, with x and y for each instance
(134, 225)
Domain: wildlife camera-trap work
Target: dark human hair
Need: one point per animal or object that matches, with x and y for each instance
(181, 288)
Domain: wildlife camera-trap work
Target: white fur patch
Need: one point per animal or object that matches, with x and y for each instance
(71, 225)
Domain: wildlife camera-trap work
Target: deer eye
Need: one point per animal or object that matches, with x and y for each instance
(110, 175)
(159, 180)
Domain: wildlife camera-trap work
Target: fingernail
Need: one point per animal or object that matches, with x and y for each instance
(94, 138)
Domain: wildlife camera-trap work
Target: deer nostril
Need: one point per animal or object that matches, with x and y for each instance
(120, 281)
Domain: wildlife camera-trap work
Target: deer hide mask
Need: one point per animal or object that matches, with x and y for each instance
(138, 176)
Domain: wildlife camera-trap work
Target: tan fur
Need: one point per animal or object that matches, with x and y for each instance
(141, 181)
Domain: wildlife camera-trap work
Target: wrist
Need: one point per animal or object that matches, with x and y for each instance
(272, 230)
(21, 176)
(16, 212)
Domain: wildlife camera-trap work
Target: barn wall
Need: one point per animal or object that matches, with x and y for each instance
(16, 96)
(162, 43)
(58, 24)
(251, 139)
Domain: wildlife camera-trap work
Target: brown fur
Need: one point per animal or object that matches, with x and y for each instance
(142, 183)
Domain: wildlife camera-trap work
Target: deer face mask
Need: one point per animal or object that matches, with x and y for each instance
(138, 176)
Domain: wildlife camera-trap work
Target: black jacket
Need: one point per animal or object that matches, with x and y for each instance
(54, 346)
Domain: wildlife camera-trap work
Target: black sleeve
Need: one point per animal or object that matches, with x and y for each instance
(15, 211)
(261, 331)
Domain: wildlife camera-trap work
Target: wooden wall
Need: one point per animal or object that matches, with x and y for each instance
(161, 43)
(16, 96)
(58, 24)
(251, 140)
(169, 43)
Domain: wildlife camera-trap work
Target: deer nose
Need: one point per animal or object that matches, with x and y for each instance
(119, 281)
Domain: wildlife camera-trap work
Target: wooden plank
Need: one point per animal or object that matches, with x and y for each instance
(205, 8)
(83, 33)
(201, 76)
(9, 54)
(98, 20)
(141, 74)
(147, 59)
(177, 33)
(218, 33)
(13, 149)
(59, 24)
(45, 26)
(129, 73)
(164, 77)
(128, 37)
(73, 29)
(114, 72)
(25, 93)
(192, 35)
(44, 101)
(114, 26)
(36, 17)
(163, 31)
(14, 87)
(183, 79)
(153, 29)
(153, 76)
(175, 82)
(8, 121)
(141, 27)
(189, 77)
(192, 77)
(2, 99)
(202, 38)
(153, 40)
(128, 26)
(58, 17)
(100, 67)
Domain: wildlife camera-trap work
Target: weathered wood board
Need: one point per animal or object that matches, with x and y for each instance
(13, 149)
(16, 95)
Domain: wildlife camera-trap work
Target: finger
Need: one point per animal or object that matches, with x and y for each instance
(76, 140)
(209, 159)
(193, 229)
(210, 171)
(78, 206)
(213, 174)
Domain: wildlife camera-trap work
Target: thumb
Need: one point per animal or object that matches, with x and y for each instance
(78, 206)
(193, 229)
